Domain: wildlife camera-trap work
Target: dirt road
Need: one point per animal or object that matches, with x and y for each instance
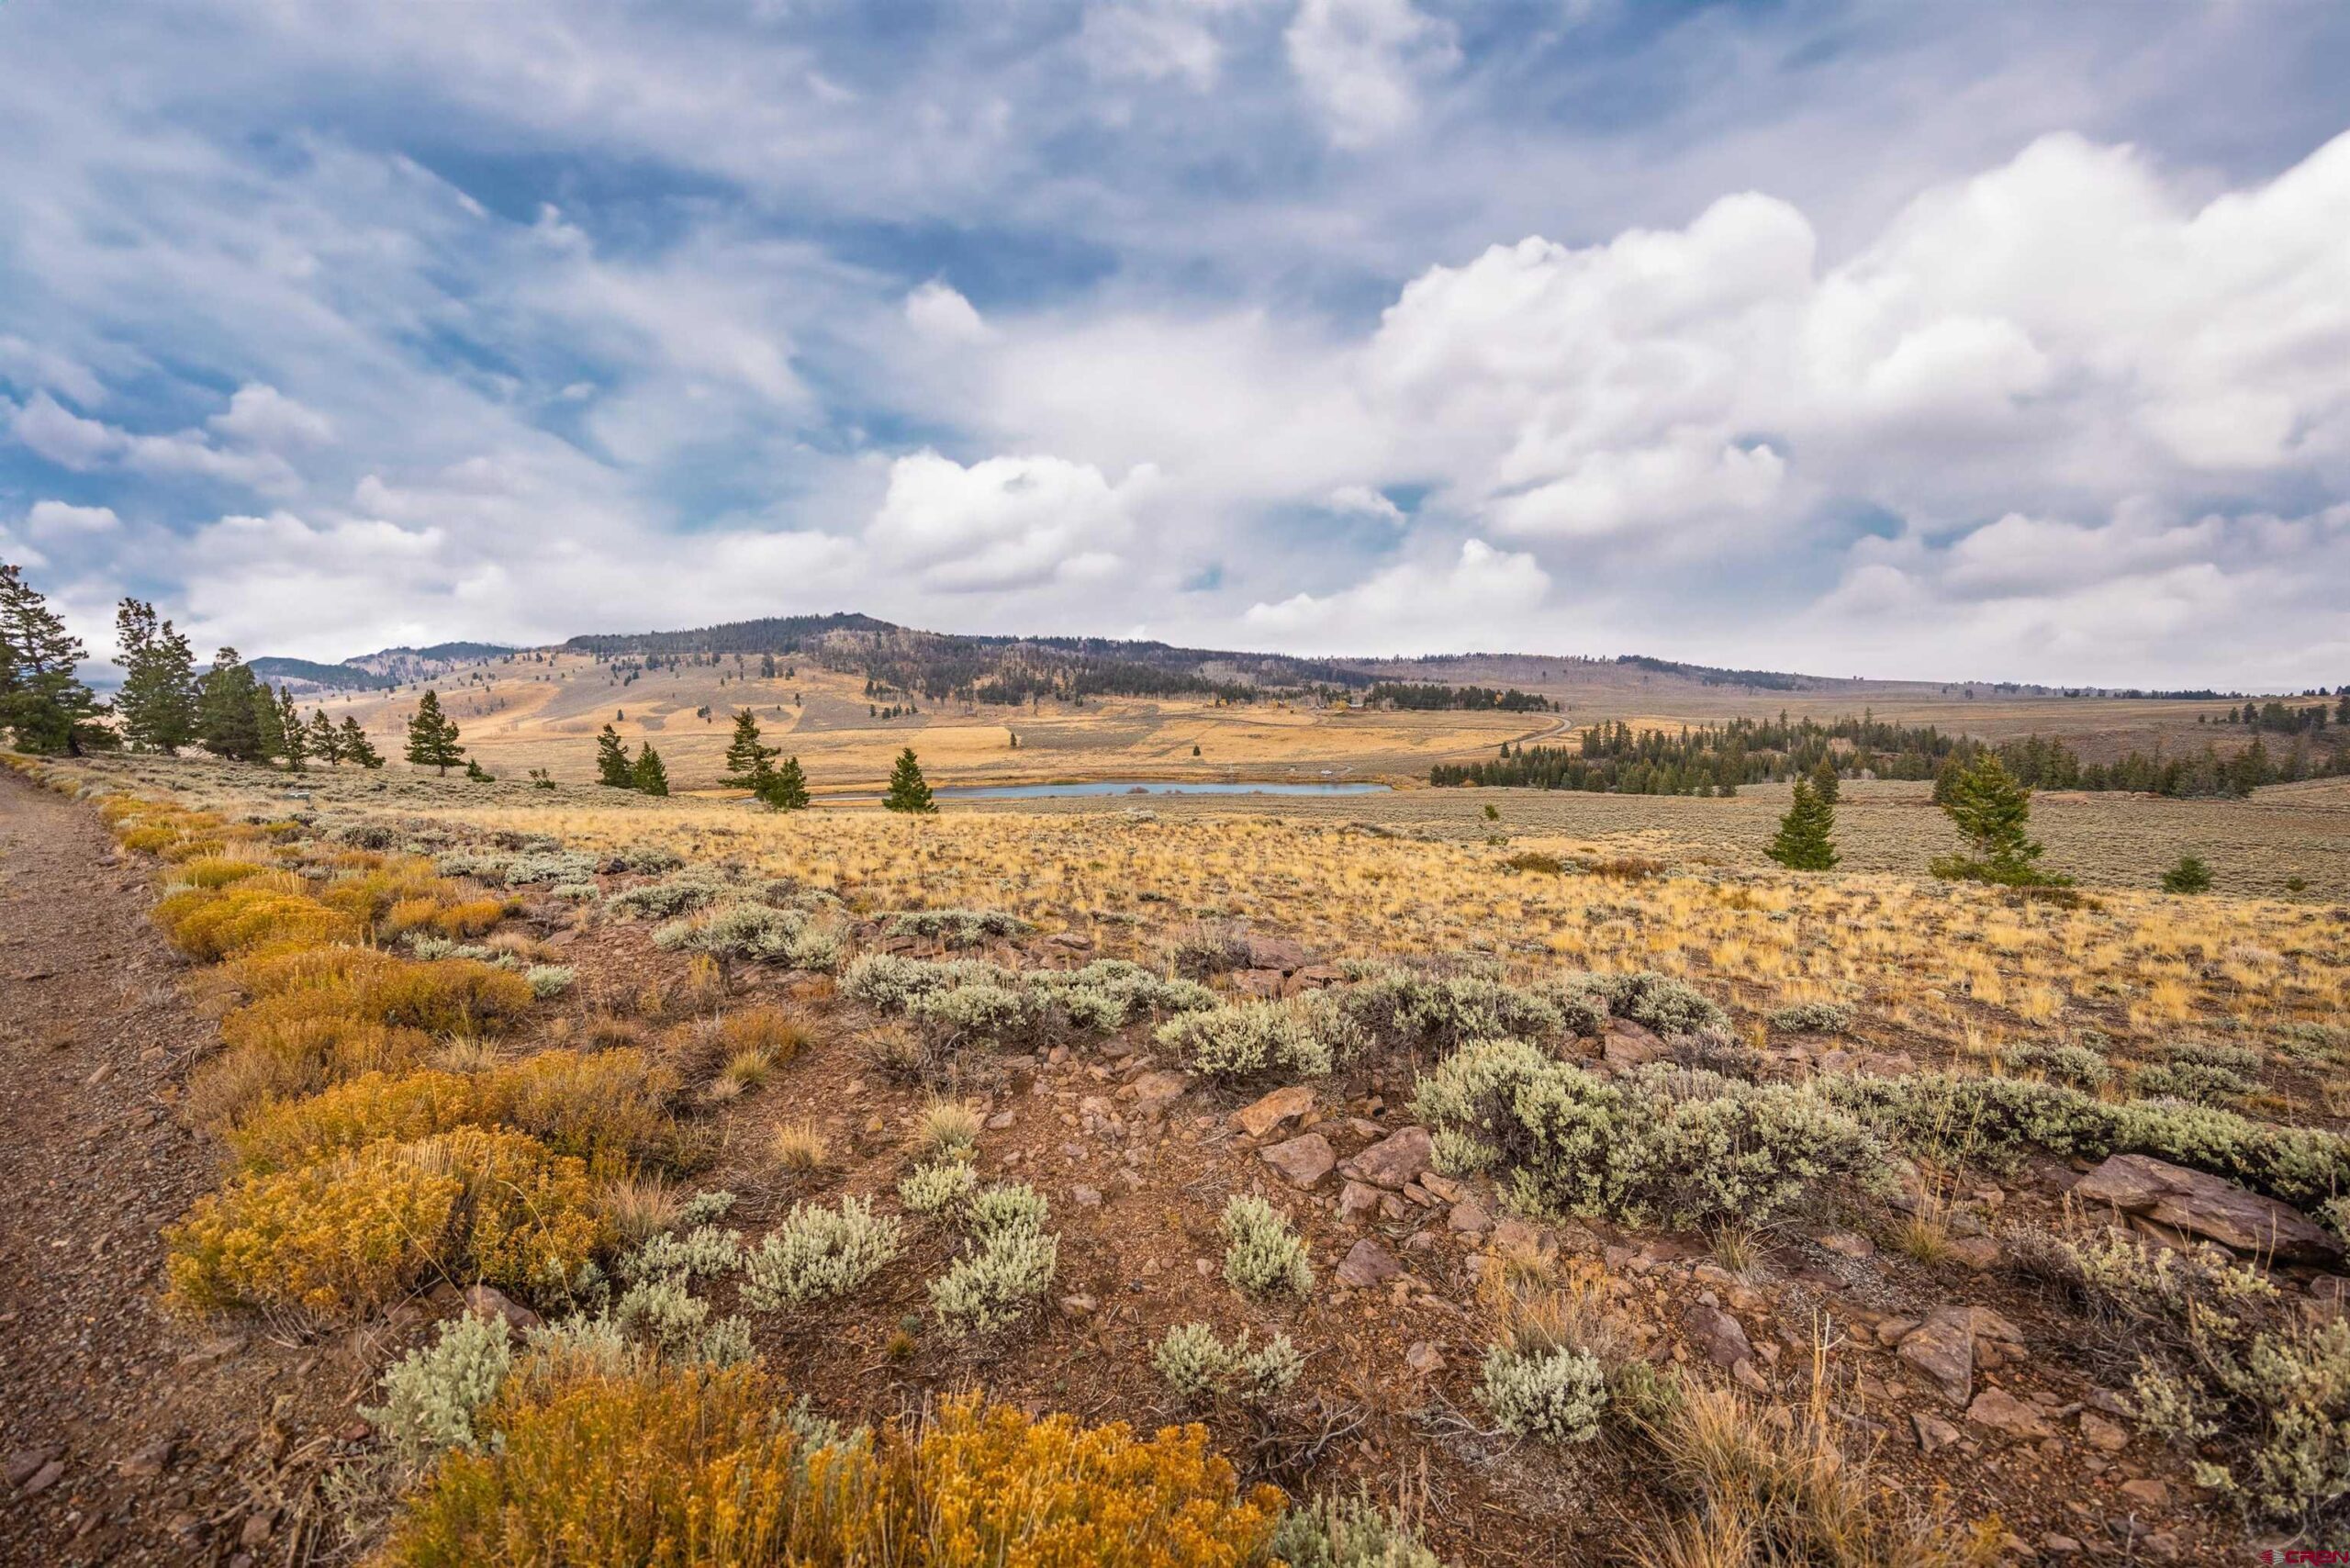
(128, 1437)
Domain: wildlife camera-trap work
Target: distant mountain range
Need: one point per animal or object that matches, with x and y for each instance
(378, 671)
(1008, 669)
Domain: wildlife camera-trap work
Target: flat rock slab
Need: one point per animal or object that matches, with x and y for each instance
(2208, 1206)
(1942, 1348)
(1305, 1161)
(1283, 1105)
(2003, 1412)
(1395, 1160)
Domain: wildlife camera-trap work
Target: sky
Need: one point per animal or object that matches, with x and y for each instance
(1930, 340)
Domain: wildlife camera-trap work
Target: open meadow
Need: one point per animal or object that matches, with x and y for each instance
(1537, 1172)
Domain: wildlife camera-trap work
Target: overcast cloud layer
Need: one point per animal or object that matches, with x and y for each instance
(1929, 340)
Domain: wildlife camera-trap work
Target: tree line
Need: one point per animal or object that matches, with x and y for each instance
(1431, 695)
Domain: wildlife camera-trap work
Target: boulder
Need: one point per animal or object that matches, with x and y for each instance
(1262, 985)
(1368, 1264)
(1305, 1161)
(486, 1301)
(1627, 1044)
(1394, 1160)
(2208, 1206)
(1283, 1105)
(1313, 977)
(1279, 953)
(1469, 1217)
(1934, 1432)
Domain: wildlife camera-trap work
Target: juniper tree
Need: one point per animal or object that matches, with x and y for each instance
(909, 791)
(1991, 811)
(227, 710)
(433, 735)
(156, 706)
(356, 746)
(42, 703)
(746, 759)
(325, 741)
(477, 773)
(297, 744)
(611, 761)
(1806, 840)
(783, 789)
(648, 775)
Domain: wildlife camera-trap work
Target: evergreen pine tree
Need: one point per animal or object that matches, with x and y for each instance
(1991, 811)
(909, 791)
(433, 735)
(477, 773)
(611, 761)
(325, 741)
(1824, 782)
(228, 704)
(42, 703)
(746, 759)
(648, 776)
(156, 706)
(1806, 840)
(357, 746)
(297, 744)
(783, 789)
(269, 721)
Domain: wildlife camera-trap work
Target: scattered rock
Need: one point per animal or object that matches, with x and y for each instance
(1944, 1348)
(1153, 1092)
(1305, 1161)
(1933, 1433)
(1846, 1243)
(1313, 977)
(1423, 1358)
(1720, 1336)
(1000, 1121)
(2106, 1437)
(1976, 1252)
(1354, 1198)
(1279, 954)
(1077, 1305)
(483, 1301)
(1262, 985)
(1367, 1265)
(1631, 1045)
(2003, 1412)
(41, 1480)
(1283, 1104)
(2206, 1205)
(24, 1464)
(1470, 1217)
(148, 1462)
(1085, 1197)
(2147, 1493)
(1394, 1160)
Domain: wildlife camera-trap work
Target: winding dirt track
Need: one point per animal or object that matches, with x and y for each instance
(128, 1437)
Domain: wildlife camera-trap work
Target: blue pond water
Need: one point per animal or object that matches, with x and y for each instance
(1144, 787)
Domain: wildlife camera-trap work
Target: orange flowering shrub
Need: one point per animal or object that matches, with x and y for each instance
(278, 1059)
(469, 917)
(210, 871)
(675, 1464)
(994, 1486)
(374, 1107)
(457, 996)
(530, 1217)
(273, 974)
(603, 1103)
(663, 1467)
(247, 917)
(326, 1242)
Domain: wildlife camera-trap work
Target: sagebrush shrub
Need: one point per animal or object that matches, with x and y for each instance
(1347, 1532)
(937, 1187)
(1403, 1008)
(1556, 1396)
(1814, 1018)
(1198, 1365)
(997, 1284)
(818, 1252)
(1262, 1255)
(1303, 1036)
(1659, 1146)
(432, 1394)
(958, 927)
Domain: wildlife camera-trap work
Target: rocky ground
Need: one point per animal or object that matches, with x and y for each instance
(134, 1438)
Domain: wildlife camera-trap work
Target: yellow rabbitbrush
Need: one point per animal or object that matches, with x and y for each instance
(666, 1465)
